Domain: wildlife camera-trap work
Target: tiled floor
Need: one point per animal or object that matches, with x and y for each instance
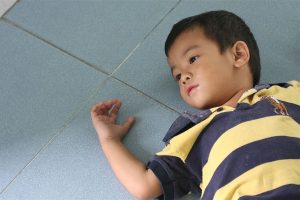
(57, 58)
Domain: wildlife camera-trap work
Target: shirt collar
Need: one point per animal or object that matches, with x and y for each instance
(253, 91)
(187, 119)
(259, 87)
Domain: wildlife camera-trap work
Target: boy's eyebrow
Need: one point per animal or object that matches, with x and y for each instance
(190, 48)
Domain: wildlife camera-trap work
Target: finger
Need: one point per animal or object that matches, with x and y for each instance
(98, 115)
(128, 123)
(102, 108)
(115, 110)
(99, 109)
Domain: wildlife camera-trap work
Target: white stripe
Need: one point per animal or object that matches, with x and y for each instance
(5, 5)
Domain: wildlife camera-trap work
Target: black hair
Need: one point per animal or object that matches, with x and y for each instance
(223, 27)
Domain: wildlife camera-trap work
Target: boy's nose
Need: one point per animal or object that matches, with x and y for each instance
(185, 79)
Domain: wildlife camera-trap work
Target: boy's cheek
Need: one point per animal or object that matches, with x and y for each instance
(182, 93)
(186, 99)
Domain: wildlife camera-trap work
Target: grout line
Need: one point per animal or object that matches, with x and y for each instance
(94, 93)
(127, 57)
(146, 95)
(73, 114)
(160, 21)
(60, 130)
(145, 37)
(130, 54)
(54, 46)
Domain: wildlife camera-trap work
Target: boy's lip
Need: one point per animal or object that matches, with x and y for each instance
(189, 89)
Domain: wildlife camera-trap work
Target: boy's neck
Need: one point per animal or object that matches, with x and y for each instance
(233, 101)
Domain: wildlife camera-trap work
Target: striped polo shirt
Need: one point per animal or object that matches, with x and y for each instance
(251, 152)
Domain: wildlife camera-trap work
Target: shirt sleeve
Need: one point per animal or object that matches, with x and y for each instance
(175, 178)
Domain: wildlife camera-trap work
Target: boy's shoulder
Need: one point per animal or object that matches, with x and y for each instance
(254, 103)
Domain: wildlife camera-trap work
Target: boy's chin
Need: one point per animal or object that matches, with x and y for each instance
(199, 105)
(198, 102)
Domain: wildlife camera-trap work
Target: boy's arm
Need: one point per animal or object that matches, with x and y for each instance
(131, 172)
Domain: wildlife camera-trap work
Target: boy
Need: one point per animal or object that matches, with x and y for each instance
(244, 143)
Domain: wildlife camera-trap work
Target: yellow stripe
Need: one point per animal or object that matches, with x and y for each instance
(246, 133)
(181, 145)
(290, 94)
(261, 179)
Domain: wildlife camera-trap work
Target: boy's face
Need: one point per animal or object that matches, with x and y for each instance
(205, 76)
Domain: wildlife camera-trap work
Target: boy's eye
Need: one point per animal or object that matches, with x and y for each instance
(177, 77)
(193, 59)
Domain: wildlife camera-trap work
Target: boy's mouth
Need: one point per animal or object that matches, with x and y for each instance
(189, 89)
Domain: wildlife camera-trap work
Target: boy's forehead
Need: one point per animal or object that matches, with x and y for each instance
(188, 40)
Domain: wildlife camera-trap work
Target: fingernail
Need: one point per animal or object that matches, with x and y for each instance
(113, 106)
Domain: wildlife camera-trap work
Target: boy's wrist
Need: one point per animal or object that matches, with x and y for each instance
(108, 140)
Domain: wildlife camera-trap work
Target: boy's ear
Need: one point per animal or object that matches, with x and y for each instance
(241, 53)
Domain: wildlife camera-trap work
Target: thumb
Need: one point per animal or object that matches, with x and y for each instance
(128, 123)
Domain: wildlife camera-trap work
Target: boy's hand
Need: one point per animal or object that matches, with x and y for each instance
(132, 172)
(104, 115)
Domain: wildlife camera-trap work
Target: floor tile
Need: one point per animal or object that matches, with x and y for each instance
(40, 90)
(274, 24)
(74, 166)
(100, 32)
